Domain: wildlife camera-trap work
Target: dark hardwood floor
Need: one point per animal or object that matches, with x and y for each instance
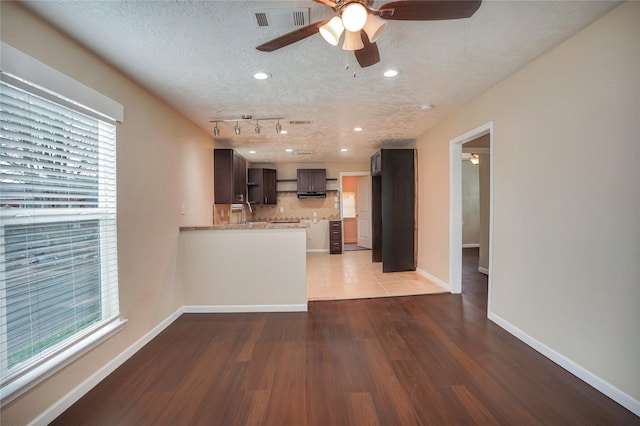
(414, 360)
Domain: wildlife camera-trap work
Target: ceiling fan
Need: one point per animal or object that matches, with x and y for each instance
(363, 25)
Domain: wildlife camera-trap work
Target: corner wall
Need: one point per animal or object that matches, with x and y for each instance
(164, 160)
(566, 237)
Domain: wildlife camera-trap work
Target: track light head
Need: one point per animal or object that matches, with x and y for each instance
(237, 128)
(216, 130)
(278, 127)
(258, 128)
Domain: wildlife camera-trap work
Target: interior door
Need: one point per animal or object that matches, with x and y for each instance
(364, 211)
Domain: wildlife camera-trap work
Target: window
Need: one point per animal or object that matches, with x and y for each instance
(58, 250)
(348, 204)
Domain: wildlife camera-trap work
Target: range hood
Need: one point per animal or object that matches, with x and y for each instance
(307, 195)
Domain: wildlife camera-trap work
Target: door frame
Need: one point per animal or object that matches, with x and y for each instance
(342, 174)
(455, 207)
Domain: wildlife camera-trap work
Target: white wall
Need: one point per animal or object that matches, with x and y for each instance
(566, 231)
(163, 161)
(214, 266)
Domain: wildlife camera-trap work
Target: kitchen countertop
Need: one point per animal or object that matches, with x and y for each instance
(248, 225)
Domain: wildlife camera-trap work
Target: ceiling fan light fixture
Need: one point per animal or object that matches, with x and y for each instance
(374, 27)
(354, 16)
(332, 30)
(352, 41)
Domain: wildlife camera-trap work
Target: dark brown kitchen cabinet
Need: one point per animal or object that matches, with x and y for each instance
(376, 164)
(312, 180)
(229, 177)
(393, 210)
(262, 186)
(335, 236)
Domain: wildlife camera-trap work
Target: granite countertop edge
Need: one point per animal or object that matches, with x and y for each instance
(246, 226)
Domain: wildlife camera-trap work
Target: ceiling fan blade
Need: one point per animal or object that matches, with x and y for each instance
(327, 2)
(428, 10)
(292, 37)
(369, 54)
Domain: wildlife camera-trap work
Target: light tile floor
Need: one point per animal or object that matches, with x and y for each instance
(352, 275)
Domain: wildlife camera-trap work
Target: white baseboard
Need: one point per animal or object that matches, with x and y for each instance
(472, 245)
(220, 309)
(79, 391)
(483, 270)
(577, 370)
(317, 250)
(433, 279)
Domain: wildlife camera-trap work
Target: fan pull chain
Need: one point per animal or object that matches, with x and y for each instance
(346, 67)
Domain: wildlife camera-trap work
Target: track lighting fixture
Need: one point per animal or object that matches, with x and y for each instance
(245, 117)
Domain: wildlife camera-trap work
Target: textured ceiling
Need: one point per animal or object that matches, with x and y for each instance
(200, 57)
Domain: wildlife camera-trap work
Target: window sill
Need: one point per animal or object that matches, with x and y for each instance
(32, 378)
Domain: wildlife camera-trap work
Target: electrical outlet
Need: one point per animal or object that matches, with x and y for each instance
(281, 209)
(183, 208)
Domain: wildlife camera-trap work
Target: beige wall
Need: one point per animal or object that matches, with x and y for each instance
(470, 203)
(484, 171)
(566, 235)
(163, 161)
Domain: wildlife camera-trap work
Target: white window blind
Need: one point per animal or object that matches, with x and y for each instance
(58, 247)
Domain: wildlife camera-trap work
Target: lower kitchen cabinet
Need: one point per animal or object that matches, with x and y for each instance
(335, 237)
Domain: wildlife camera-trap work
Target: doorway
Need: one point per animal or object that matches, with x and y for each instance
(355, 211)
(456, 206)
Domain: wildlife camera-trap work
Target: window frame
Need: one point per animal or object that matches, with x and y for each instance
(32, 76)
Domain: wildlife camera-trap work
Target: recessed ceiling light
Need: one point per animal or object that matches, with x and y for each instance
(283, 132)
(261, 75)
(252, 152)
(344, 149)
(390, 73)
(425, 107)
(288, 150)
(357, 129)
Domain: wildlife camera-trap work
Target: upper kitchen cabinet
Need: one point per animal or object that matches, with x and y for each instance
(312, 182)
(376, 163)
(393, 209)
(262, 186)
(230, 177)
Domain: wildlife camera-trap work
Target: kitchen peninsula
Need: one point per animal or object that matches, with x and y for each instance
(249, 267)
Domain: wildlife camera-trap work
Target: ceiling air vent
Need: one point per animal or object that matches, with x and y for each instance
(282, 18)
(296, 122)
(261, 19)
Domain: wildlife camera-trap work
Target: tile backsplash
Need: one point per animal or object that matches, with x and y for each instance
(292, 208)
